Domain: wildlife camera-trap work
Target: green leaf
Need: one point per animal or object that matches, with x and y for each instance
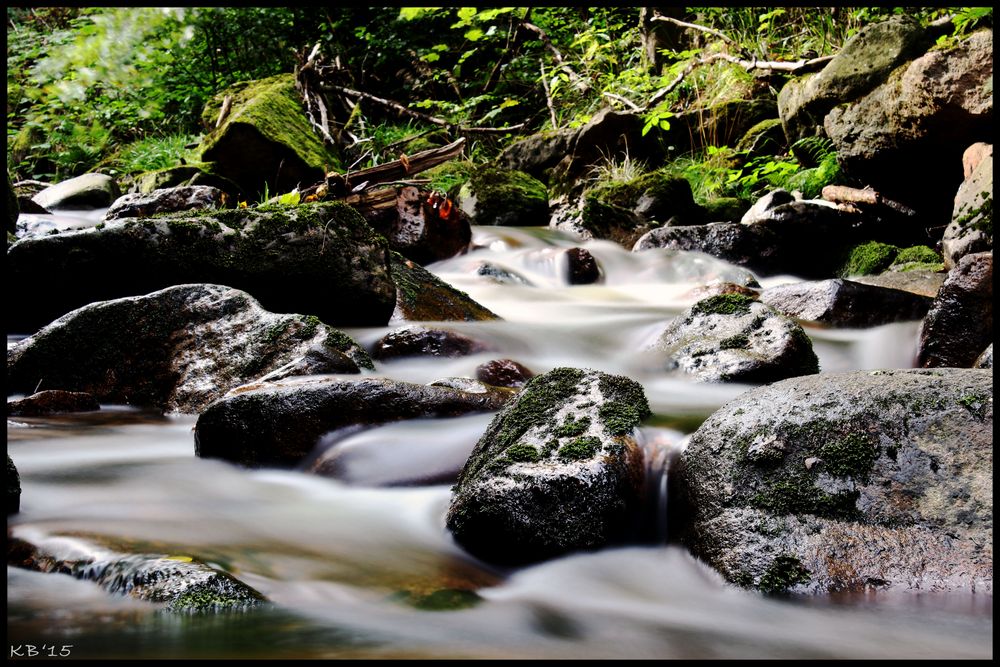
(474, 35)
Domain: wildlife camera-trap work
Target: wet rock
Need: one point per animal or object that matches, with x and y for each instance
(504, 197)
(279, 424)
(13, 488)
(759, 210)
(733, 338)
(843, 303)
(413, 340)
(719, 287)
(558, 470)
(181, 583)
(52, 401)
(971, 227)
(582, 267)
(985, 359)
(423, 297)
(846, 482)
(920, 281)
(426, 227)
(504, 373)
(165, 200)
(502, 276)
(313, 258)
(176, 350)
(536, 154)
(82, 192)
(265, 141)
(906, 137)
(12, 207)
(959, 325)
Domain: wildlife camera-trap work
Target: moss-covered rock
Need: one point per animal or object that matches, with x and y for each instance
(423, 297)
(765, 138)
(321, 259)
(846, 482)
(265, 141)
(494, 196)
(166, 200)
(732, 337)
(558, 470)
(971, 227)
(278, 424)
(868, 258)
(201, 173)
(844, 303)
(177, 349)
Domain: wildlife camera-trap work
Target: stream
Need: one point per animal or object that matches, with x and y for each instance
(362, 567)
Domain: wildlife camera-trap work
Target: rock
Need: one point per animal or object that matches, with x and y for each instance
(846, 482)
(874, 257)
(733, 338)
(12, 207)
(865, 61)
(959, 325)
(971, 227)
(920, 281)
(201, 173)
(52, 401)
(83, 192)
(581, 267)
(973, 155)
(266, 141)
(291, 259)
(609, 136)
(765, 138)
(176, 350)
(558, 470)
(844, 303)
(425, 229)
(181, 583)
(985, 360)
(725, 209)
(166, 200)
(759, 210)
(13, 488)
(423, 297)
(504, 373)
(413, 340)
(537, 154)
(279, 424)
(501, 275)
(504, 197)
(718, 287)
(906, 137)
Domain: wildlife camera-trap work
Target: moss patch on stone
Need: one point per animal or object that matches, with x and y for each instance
(522, 453)
(723, 304)
(506, 197)
(572, 427)
(869, 259)
(783, 573)
(580, 449)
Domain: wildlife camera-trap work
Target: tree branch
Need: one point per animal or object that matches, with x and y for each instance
(548, 97)
(695, 26)
(578, 81)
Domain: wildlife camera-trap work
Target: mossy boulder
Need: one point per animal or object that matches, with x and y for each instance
(558, 470)
(265, 142)
(867, 480)
(321, 259)
(844, 303)
(278, 424)
(765, 138)
(201, 173)
(971, 227)
(495, 196)
(13, 488)
(177, 349)
(537, 154)
(734, 338)
(423, 297)
(874, 257)
(88, 191)
(180, 583)
(959, 325)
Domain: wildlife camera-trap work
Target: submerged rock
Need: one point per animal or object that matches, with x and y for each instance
(423, 297)
(504, 373)
(734, 338)
(581, 267)
(846, 482)
(181, 583)
(312, 258)
(558, 470)
(843, 303)
(959, 325)
(424, 227)
(177, 349)
(52, 401)
(83, 192)
(413, 340)
(279, 424)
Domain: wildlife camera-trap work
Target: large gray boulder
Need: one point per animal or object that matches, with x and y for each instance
(959, 325)
(177, 349)
(971, 227)
(844, 303)
(733, 338)
(558, 470)
(868, 480)
(321, 259)
(165, 200)
(278, 424)
(83, 192)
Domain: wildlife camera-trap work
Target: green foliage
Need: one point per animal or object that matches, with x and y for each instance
(869, 258)
(152, 153)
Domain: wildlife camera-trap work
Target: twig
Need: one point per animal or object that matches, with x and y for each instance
(548, 96)
(695, 26)
(581, 85)
(227, 104)
(624, 100)
(848, 195)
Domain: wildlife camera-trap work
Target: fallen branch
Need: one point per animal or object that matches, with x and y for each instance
(624, 100)
(695, 26)
(397, 170)
(841, 194)
(548, 97)
(227, 104)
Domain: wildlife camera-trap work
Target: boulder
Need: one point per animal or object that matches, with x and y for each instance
(180, 583)
(971, 227)
(413, 340)
(13, 488)
(83, 192)
(860, 481)
(919, 281)
(201, 173)
(423, 297)
(537, 154)
(166, 200)
(504, 373)
(177, 349)
(52, 401)
(265, 143)
(558, 470)
(844, 303)
(425, 229)
(313, 258)
(985, 359)
(959, 325)
(494, 196)
(874, 257)
(582, 267)
(278, 424)
(763, 139)
(906, 137)
(734, 338)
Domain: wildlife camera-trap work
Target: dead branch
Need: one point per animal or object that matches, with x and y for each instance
(548, 97)
(227, 104)
(624, 100)
(841, 194)
(695, 26)
(398, 169)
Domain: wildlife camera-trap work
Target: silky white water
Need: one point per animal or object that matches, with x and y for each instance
(345, 561)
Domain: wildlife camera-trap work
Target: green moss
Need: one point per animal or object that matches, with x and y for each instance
(736, 342)
(570, 427)
(341, 342)
(852, 455)
(445, 599)
(977, 404)
(581, 448)
(917, 253)
(980, 217)
(723, 304)
(797, 494)
(869, 259)
(783, 573)
(506, 197)
(522, 453)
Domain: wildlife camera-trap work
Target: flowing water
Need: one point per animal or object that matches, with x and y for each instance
(362, 567)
